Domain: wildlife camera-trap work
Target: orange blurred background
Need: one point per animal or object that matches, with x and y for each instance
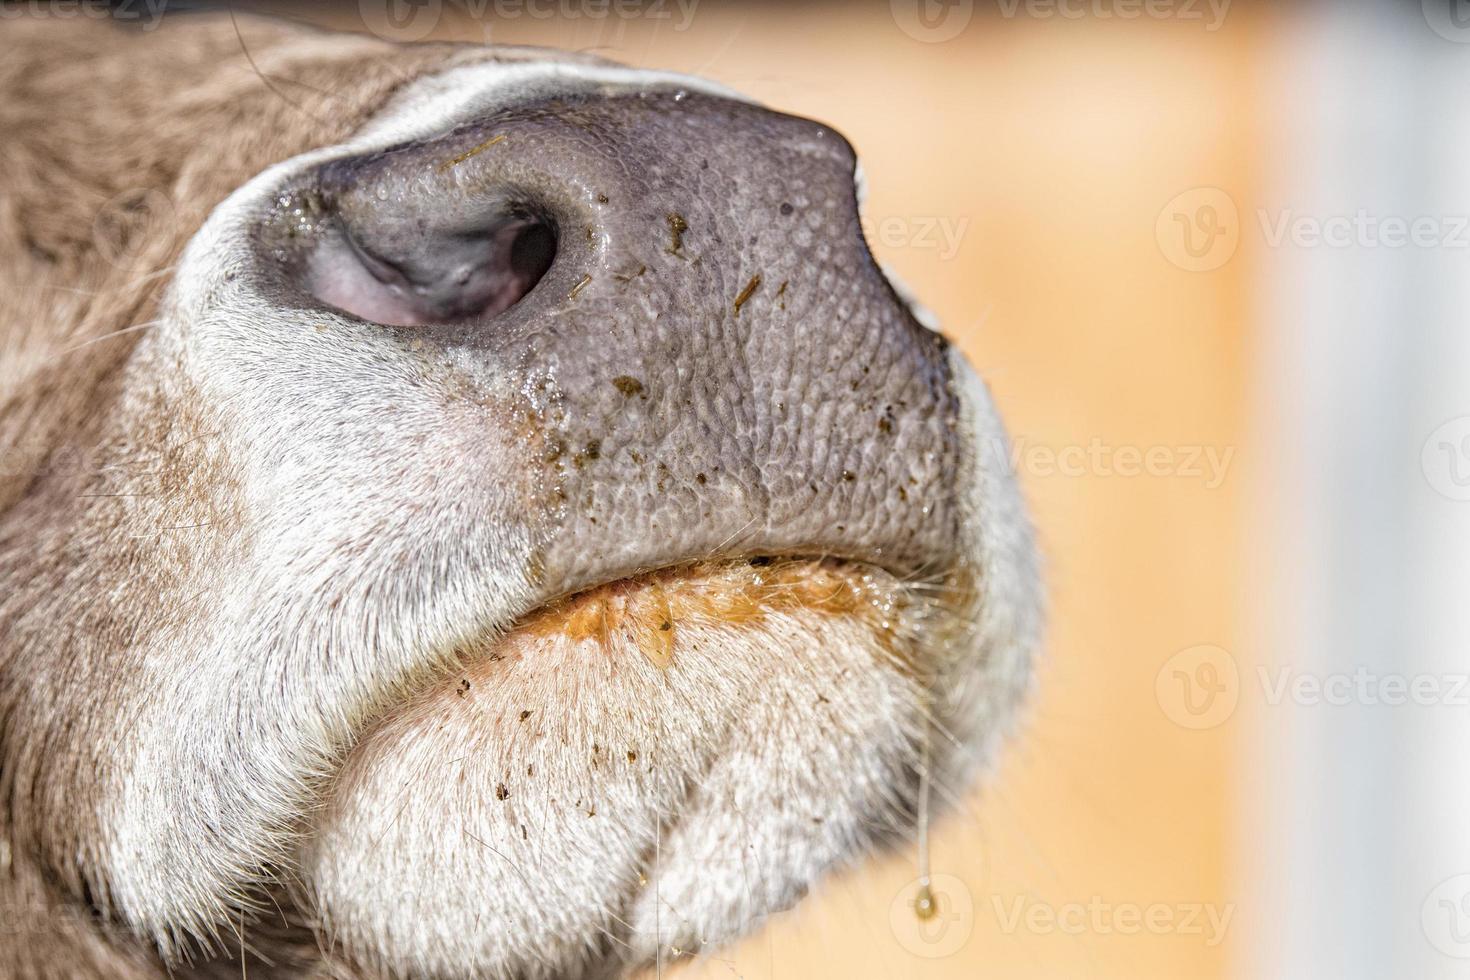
(1017, 171)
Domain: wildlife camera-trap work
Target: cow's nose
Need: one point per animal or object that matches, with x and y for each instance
(461, 227)
(679, 287)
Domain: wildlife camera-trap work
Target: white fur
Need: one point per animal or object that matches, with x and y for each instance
(757, 758)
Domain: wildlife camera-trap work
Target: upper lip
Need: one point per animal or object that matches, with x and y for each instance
(641, 486)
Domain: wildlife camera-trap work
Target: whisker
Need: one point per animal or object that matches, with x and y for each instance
(108, 336)
(266, 79)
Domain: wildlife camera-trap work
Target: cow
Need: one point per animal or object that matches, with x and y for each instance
(464, 511)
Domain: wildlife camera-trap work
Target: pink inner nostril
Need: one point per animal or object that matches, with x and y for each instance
(440, 280)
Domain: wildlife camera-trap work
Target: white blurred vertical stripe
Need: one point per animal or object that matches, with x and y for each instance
(1355, 813)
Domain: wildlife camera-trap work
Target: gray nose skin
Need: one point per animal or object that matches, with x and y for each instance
(677, 290)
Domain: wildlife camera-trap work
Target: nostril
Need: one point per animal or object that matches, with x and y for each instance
(402, 273)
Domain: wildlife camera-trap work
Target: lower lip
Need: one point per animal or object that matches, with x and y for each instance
(652, 611)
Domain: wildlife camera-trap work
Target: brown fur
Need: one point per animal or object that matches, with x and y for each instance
(117, 144)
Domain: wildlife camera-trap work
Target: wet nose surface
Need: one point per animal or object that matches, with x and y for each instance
(672, 295)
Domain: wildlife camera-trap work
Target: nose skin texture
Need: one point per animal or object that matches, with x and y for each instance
(711, 364)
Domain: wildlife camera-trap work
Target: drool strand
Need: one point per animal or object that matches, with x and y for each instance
(924, 906)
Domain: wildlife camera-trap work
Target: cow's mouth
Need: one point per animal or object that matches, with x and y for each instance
(662, 625)
(726, 727)
(658, 612)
